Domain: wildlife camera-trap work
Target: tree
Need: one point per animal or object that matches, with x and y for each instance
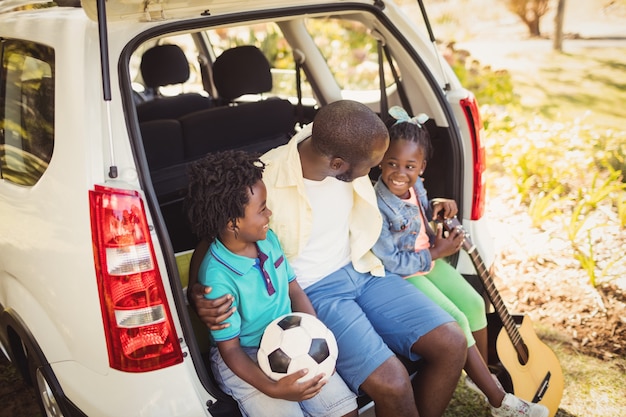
(530, 11)
(557, 44)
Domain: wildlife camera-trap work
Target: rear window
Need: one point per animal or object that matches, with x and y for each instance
(26, 111)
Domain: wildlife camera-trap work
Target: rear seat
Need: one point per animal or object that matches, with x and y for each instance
(163, 143)
(255, 126)
(250, 125)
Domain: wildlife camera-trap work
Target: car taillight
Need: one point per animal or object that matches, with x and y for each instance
(138, 326)
(474, 123)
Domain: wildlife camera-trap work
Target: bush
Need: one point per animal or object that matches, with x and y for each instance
(489, 86)
(567, 172)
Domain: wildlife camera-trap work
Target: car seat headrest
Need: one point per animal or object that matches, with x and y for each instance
(164, 65)
(241, 70)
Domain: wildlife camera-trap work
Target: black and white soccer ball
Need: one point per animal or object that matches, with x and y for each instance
(297, 341)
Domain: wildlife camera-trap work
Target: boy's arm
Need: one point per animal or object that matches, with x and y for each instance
(299, 300)
(211, 312)
(287, 388)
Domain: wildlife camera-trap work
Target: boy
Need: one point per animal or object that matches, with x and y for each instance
(226, 206)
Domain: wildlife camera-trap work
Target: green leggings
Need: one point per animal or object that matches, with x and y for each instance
(446, 287)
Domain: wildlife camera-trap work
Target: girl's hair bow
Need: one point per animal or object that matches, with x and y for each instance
(402, 116)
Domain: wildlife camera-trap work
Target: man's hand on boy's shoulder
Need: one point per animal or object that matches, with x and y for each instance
(211, 312)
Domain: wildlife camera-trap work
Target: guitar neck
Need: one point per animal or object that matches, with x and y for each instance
(498, 303)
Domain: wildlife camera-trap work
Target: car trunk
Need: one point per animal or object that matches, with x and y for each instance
(165, 187)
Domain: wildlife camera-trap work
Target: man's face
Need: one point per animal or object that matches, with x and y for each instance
(361, 168)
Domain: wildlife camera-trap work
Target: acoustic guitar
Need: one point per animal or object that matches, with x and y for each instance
(531, 370)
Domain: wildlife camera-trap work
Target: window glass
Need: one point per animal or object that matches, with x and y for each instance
(267, 37)
(192, 85)
(352, 56)
(270, 40)
(26, 111)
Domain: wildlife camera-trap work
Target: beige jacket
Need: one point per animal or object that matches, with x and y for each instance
(291, 219)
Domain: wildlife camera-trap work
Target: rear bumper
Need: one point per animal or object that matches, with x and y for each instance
(169, 392)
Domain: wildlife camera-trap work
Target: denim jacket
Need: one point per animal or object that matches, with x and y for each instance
(401, 225)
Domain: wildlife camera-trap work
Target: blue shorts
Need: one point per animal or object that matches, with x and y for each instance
(372, 317)
(334, 400)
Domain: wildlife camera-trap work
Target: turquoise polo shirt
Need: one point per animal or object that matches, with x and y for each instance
(261, 293)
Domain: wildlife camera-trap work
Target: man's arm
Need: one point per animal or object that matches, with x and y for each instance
(211, 312)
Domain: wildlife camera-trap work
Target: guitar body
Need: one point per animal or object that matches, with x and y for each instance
(540, 377)
(524, 365)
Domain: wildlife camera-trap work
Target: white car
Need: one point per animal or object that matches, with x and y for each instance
(99, 118)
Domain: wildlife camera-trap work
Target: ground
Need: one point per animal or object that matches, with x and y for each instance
(537, 275)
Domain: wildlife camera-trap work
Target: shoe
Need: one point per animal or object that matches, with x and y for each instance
(516, 407)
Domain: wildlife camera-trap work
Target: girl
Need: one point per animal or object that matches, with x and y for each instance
(409, 248)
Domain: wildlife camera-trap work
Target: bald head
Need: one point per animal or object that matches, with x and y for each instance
(348, 130)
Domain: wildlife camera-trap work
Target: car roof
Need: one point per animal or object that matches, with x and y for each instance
(142, 10)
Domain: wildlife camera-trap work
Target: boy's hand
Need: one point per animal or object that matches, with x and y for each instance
(288, 387)
(211, 312)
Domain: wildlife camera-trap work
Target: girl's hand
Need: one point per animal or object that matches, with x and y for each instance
(444, 208)
(288, 387)
(446, 246)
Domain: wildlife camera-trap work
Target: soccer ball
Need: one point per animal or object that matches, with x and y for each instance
(296, 341)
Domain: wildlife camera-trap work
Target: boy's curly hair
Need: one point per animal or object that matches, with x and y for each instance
(218, 190)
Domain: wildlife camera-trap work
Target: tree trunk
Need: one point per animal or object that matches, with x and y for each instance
(530, 11)
(557, 44)
(533, 27)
